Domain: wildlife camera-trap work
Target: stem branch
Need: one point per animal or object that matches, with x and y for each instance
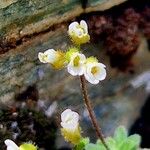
(91, 112)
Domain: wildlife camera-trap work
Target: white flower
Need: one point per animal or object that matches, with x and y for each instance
(76, 64)
(49, 56)
(95, 72)
(11, 145)
(79, 32)
(78, 29)
(70, 120)
(70, 126)
(55, 58)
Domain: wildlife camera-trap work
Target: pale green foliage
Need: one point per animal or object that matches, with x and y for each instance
(83, 142)
(120, 141)
(92, 146)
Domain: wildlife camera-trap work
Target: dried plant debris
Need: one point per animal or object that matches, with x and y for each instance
(99, 27)
(145, 24)
(122, 43)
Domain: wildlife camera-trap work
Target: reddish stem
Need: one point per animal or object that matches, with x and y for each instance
(91, 112)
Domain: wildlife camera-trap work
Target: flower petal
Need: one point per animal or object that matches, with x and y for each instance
(72, 126)
(41, 57)
(51, 55)
(72, 70)
(11, 145)
(64, 113)
(94, 81)
(69, 119)
(83, 24)
(101, 75)
(73, 27)
(10, 148)
(78, 69)
(101, 65)
(90, 79)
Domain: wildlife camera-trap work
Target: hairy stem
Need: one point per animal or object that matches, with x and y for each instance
(91, 112)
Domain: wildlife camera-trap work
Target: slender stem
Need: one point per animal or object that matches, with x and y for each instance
(91, 112)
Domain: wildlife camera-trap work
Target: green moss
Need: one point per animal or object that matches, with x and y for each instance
(32, 125)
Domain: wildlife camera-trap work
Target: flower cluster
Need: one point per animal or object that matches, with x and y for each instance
(73, 59)
(25, 146)
(89, 67)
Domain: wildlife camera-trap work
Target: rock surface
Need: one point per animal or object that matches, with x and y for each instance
(19, 18)
(116, 100)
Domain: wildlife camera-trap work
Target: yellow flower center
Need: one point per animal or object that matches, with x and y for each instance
(60, 61)
(94, 70)
(76, 61)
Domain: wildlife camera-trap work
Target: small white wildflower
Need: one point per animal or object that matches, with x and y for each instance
(79, 32)
(94, 72)
(79, 29)
(69, 120)
(49, 56)
(55, 58)
(11, 145)
(70, 126)
(76, 64)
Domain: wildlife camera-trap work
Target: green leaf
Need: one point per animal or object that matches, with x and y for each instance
(135, 139)
(83, 142)
(127, 145)
(92, 146)
(99, 142)
(111, 143)
(120, 135)
(132, 143)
